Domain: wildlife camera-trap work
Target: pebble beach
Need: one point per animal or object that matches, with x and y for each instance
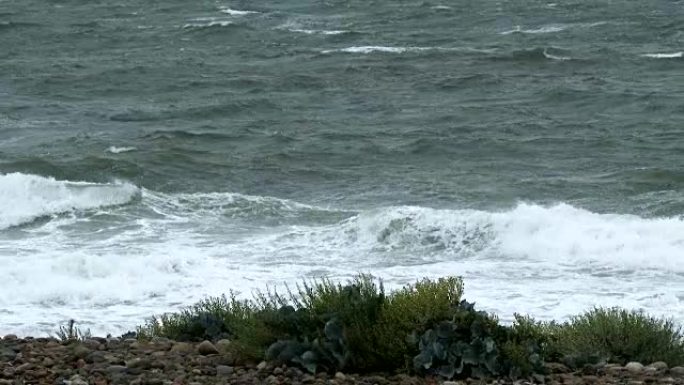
(118, 361)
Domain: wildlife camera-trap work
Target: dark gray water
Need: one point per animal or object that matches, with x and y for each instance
(144, 145)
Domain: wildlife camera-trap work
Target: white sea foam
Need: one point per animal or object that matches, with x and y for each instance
(544, 29)
(552, 28)
(235, 12)
(366, 49)
(228, 205)
(671, 55)
(171, 249)
(555, 57)
(440, 7)
(24, 198)
(119, 150)
(207, 22)
(317, 31)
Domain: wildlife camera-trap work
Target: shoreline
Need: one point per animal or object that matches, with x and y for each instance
(161, 361)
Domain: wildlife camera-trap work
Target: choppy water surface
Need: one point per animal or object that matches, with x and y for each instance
(153, 153)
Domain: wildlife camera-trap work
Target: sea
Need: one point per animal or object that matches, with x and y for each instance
(153, 153)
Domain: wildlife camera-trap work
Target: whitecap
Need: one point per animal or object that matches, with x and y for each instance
(388, 49)
(372, 48)
(317, 31)
(208, 24)
(235, 12)
(544, 29)
(555, 57)
(119, 150)
(672, 55)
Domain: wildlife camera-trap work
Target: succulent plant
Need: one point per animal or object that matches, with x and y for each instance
(327, 352)
(462, 347)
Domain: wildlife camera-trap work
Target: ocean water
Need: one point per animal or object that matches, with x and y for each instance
(153, 153)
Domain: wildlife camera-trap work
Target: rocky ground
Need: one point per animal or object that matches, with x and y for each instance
(102, 361)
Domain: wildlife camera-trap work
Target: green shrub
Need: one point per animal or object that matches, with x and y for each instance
(329, 352)
(424, 327)
(617, 335)
(324, 325)
(525, 347)
(473, 344)
(462, 347)
(421, 305)
(208, 318)
(215, 318)
(320, 325)
(412, 310)
(375, 326)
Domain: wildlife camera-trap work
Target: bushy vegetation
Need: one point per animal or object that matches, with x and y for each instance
(526, 346)
(615, 335)
(320, 325)
(463, 346)
(424, 328)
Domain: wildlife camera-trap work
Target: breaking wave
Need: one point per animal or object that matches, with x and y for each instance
(25, 198)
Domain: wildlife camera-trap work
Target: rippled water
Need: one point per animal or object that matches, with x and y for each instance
(152, 153)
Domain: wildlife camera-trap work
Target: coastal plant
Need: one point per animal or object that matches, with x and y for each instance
(376, 324)
(525, 348)
(474, 344)
(71, 333)
(425, 327)
(320, 307)
(463, 347)
(320, 324)
(357, 306)
(619, 336)
(212, 318)
(412, 310)
(329, 352)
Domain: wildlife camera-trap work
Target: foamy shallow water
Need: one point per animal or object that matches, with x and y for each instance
(113, 255)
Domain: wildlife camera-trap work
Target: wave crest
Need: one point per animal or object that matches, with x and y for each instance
(25, 198)
(559, 237)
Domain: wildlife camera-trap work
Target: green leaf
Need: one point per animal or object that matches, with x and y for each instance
(478, 372)
(477, 329)
(274, 350)
(422, 361)
(284, 351)
(470, 356)
(308, 360)
(489, 344)
(492, 364)
(460, 367)
(447, 371)
(444, 330)
(427, 339)
(535, 359)
(333, 330)
(438, 351)
(459, 349)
